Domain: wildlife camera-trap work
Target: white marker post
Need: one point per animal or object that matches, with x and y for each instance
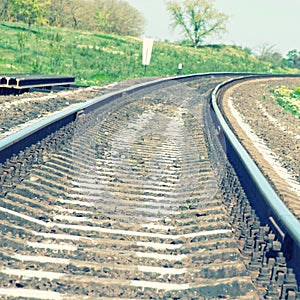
(147, 51)
(179, 69)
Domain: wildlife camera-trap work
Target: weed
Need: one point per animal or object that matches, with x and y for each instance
(288, 98)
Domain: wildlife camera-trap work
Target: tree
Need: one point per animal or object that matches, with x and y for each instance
(29, 11)
(268, 54)
(196, 18)
(5, 10)
(293, 59)
(77, 14)
(56, 13)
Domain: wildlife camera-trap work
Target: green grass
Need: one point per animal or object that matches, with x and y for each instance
(288, 98)
(96, 58)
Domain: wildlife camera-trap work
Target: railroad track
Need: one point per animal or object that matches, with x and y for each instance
(134, 199)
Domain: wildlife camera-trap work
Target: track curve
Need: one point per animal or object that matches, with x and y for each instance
(133, 200)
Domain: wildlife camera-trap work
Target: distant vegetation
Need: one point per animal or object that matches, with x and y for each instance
(268, 54)
(293, 59)
(109, 16)
(97, 58)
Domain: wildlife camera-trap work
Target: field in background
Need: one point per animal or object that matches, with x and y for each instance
(100, 58)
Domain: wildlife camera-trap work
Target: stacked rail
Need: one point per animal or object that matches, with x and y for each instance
(12, 83)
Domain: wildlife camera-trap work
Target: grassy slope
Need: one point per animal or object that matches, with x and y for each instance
(96, 58)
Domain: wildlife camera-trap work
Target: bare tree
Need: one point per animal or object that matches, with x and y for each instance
(5, 10)
(77, 14)
(56, 13)
(196, 18)
(118, 16)
(269, 54)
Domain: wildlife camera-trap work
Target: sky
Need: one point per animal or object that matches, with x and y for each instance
(254, 24)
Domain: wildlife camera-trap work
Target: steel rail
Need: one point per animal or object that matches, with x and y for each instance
(266, 201)
(27, 81)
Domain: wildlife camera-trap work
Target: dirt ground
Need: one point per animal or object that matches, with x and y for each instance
(270, 134)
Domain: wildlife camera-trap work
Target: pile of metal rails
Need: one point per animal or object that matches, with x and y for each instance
(20, 83)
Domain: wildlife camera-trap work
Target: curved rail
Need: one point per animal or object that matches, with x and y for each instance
(267, 203)
(30, 135)
(270, 207)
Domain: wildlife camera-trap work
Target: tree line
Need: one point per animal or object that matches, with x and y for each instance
(196, 18)
(109, 16)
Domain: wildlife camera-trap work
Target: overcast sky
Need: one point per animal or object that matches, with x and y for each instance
(252, 23)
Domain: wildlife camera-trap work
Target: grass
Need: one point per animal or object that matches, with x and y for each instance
(288, 98)
(96, 58)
